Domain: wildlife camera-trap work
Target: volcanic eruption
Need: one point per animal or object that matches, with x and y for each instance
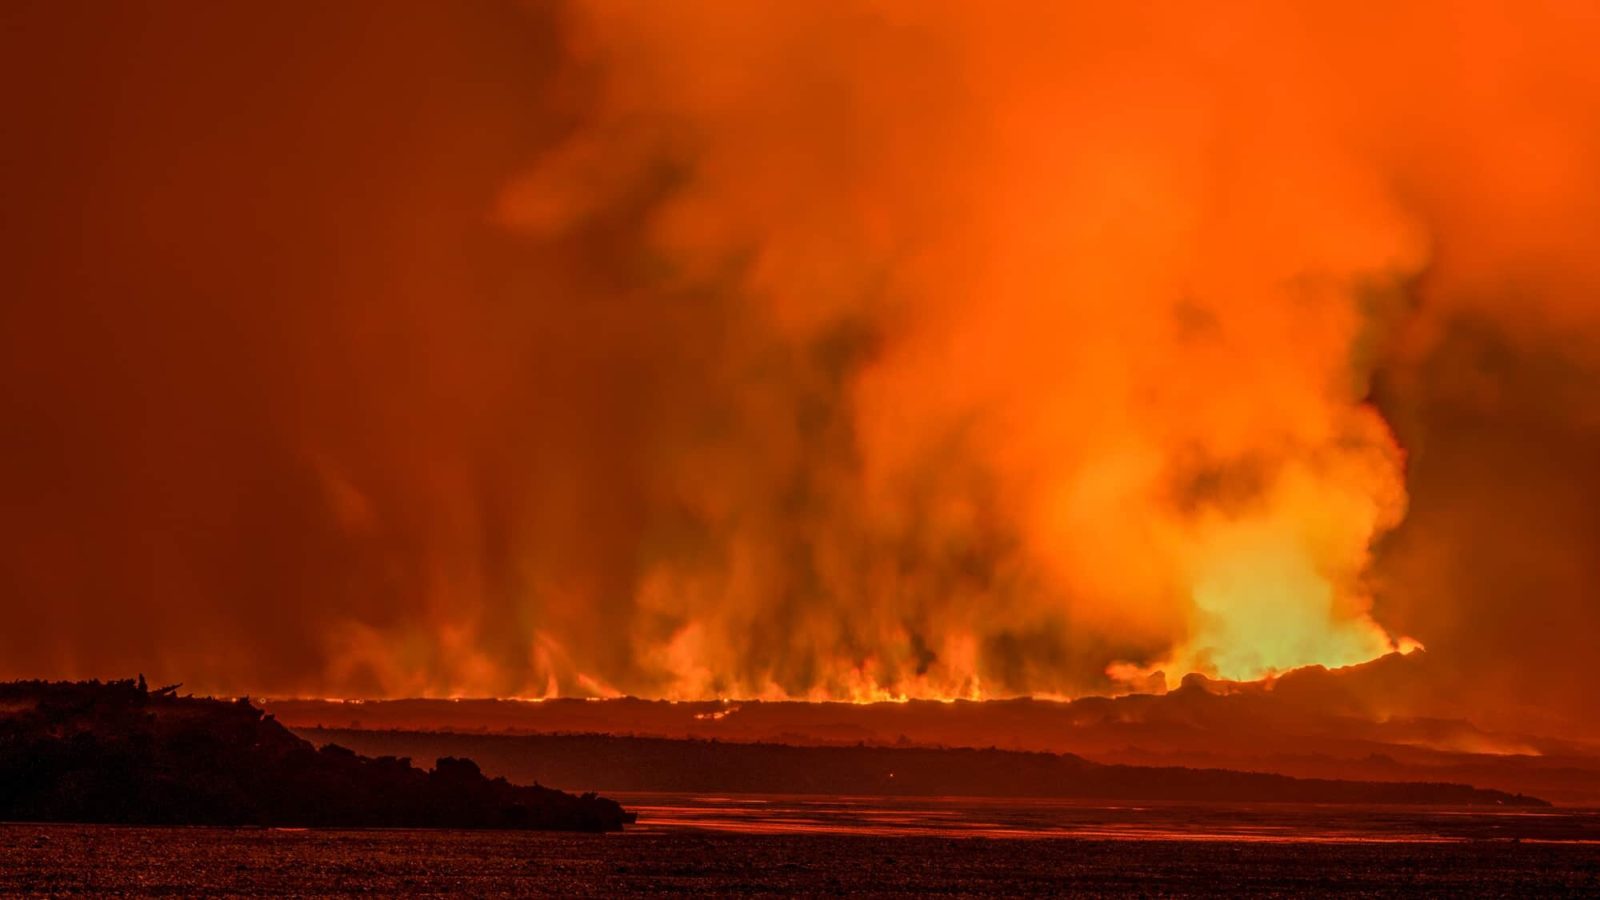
(851, 351)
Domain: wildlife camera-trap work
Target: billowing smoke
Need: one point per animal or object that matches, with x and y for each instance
(810, 350)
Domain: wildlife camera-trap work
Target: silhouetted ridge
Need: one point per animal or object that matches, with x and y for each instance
(118, 752)
(617, 763)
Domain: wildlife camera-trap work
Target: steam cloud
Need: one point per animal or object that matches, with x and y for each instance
(839, 350)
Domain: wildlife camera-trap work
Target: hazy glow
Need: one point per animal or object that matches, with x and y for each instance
(846, 350)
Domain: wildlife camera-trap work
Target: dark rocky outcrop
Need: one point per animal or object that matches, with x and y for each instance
(119, 752)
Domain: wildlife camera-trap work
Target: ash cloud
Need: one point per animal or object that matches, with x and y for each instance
(845, 351)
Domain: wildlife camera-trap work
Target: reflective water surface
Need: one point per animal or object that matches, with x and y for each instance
(1054, 818)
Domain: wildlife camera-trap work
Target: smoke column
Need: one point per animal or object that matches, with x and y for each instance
(851, 350)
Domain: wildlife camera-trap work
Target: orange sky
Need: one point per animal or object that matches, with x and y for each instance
(841, 350)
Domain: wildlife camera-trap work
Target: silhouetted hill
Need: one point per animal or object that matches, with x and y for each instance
(658, 764)
(117, 752)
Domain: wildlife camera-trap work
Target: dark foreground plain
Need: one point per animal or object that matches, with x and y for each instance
(703, 847)
(614, 764)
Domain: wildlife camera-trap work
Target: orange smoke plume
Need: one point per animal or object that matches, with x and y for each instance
(1092, 338)
(858, 350)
